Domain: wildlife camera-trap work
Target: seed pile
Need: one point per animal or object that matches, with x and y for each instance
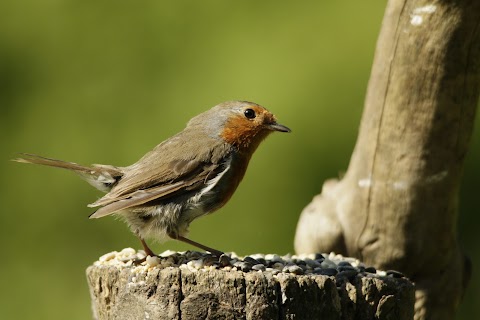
(311, 264)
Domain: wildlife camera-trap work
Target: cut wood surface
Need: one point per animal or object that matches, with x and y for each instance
(206, 287)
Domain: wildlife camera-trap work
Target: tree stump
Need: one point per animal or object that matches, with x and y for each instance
(193, 285)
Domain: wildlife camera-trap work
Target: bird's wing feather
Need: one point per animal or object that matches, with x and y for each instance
(176, 164)
(137, 198)
(142, 196)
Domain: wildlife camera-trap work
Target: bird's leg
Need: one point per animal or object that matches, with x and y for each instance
(147, 250)
(199, 245)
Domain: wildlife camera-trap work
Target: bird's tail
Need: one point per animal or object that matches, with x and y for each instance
(102, 177)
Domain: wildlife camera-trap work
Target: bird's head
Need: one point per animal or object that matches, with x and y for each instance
(240, 123)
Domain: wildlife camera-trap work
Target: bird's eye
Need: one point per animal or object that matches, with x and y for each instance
(249, 113)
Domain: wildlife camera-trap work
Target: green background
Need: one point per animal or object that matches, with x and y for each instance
(105, 81)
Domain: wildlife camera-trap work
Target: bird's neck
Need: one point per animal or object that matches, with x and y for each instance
(245, 142)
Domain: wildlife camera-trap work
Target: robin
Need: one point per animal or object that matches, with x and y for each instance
(189, 175)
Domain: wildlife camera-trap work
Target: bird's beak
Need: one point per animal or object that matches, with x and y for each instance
(278, 127)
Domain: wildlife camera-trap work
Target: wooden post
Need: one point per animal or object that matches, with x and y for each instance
(397, 205)
(198, 286)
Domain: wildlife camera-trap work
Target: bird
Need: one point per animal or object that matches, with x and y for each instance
(193, 173)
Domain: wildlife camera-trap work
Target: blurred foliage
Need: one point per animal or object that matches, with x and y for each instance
(105, 81)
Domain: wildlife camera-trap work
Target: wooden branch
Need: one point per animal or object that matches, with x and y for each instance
(196, 286)
(396, 207)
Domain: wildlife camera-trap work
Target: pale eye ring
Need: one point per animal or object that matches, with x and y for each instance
(249, 113)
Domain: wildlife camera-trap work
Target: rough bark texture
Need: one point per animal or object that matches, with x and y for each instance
(396, 207)
(174, 293)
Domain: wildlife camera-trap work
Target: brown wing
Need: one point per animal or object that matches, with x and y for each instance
(137, 198)
(161, 173)
(191, 182)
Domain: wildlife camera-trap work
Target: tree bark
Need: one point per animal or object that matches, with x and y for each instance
(170, 292)
(397, 205)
